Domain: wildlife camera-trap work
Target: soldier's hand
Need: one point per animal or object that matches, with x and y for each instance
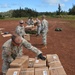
(13, 56)
(41, 57)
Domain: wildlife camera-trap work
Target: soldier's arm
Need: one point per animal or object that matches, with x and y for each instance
(28, 22)
(6, 51)
(24, 30)
(43, 25)
(6, 54)
(32, 22)
(18, 29)
(28, 45)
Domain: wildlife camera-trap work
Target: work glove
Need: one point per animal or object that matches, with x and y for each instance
(41, 57)
(13, 56)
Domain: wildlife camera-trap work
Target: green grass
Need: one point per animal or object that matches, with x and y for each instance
(70, 17)
(65, 17)
(15, 18)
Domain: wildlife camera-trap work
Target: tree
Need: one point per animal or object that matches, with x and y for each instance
(59, 10)
(1, 17)
(24, 12)
(72, 10)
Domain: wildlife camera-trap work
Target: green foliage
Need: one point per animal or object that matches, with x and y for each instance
(24, 13)
(27, 12)
(7, 14)
(72, 10)
(1, 17)
(31, 32)
(58, 12)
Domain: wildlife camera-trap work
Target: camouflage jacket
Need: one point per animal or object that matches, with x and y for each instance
(20, 30)
(17, 50)
(44, 26)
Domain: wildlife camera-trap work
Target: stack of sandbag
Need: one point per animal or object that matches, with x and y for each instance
(31, 29)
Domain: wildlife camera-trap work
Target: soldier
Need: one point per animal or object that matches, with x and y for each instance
(20, 29)
(12, 49)
(30, 21)
(38, 26)
(44, 30)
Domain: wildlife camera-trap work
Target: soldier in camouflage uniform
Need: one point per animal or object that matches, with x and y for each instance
(30, 21)
(20, 29)
(38, 26)
(12, 49)
(44, 30)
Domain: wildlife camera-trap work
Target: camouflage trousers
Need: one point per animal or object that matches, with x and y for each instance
(6, 64)
(38, 30)
(44, 38)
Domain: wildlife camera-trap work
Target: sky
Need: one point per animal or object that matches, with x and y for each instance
(38, 5)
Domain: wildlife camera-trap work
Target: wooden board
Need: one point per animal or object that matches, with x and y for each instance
(7, 35)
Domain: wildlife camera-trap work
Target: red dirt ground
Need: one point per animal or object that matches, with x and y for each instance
(61, 43)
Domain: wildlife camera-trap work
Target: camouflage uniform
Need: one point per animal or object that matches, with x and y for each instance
(16, 51)
(30, 22)
(20, 30)
(44, 30)
(38, 27)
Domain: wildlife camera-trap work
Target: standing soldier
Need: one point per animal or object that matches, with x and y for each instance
(20, 29)
(44, 30)
(13, 48)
